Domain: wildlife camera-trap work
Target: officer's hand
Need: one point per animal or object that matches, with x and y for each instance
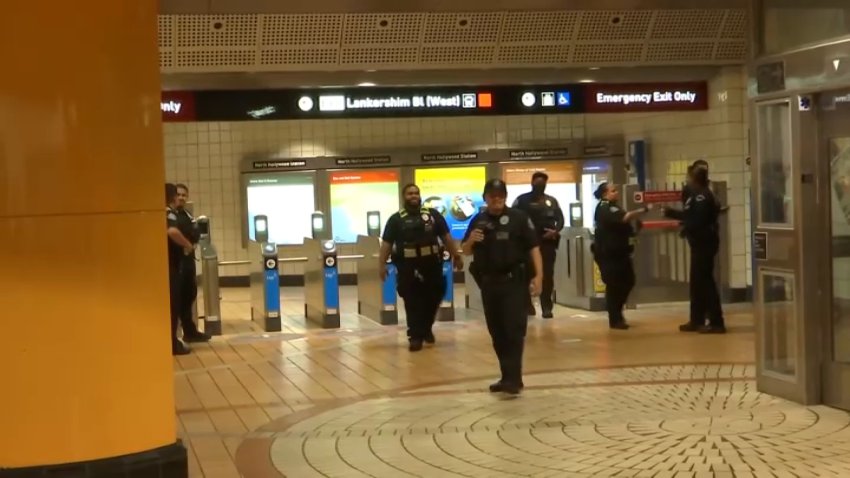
(550, 234)
(188, 250)
(477, 235)
(382, 272)
(458, 262)
(536, 285)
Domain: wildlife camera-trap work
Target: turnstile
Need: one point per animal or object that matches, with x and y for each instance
(376, 299)
(321, 283)
(209, 279)
(446, 312)
(578, 283)
(265, 279)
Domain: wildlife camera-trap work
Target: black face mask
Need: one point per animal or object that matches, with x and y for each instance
(538, 189)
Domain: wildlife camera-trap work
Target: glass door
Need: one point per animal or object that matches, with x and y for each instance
(834, 120)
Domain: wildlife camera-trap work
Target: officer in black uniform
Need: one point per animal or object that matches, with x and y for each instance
(613, 246)
(412, 237)
(503, 241)
(703, 233)
(548, 220)
(687, 190)
(178, 248)
(188, 271)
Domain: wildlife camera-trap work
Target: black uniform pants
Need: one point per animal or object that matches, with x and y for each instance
(174, 300)
(188, 294)
(618, 274)
(705, 298)
(422, 287)
(507, 321)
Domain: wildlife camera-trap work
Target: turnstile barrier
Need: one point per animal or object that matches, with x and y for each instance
(376, 299)
(321, 283)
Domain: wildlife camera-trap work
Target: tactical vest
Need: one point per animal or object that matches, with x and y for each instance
(499, 252)
(542, 214)
(418, 237)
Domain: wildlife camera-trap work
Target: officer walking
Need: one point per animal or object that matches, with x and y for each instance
(188, 271)
(178, 248)
(548, 220)
(612, 250)
(503, 242)
(412, 237)
(703, 234)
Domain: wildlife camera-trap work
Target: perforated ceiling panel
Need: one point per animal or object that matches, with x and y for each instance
(416, 40)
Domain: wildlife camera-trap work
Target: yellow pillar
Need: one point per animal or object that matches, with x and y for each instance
(85, 364)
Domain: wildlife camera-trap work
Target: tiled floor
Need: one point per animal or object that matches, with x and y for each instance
(353, 402)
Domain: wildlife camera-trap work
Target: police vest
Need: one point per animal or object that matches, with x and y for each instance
(418, 237)
(500, 251)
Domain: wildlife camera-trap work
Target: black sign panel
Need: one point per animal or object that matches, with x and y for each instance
(375, 102)
(760, 246)
(447, 157)
(363, 161)
(538, 153)
(770, 77)
(279, 164)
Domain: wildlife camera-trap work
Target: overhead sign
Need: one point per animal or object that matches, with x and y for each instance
(279, 164)
(538, 153)
(446, 157)
(177, 106)
(614, 98)
(363, 161)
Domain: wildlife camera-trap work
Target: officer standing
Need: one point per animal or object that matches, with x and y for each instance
(548, 220)
(178, 248)
(188, 271)
(412, 236)
(703, 233)
(612, 250)
(503, 242)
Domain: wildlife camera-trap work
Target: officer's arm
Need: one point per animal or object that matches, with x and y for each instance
(466, 246)
(699, 213)
(559, 217)
(674, 214)
(387, 241)
(175, 235)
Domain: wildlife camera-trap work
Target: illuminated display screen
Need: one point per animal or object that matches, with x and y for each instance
(455, 192)
(354, 194)
(563, 180)
(287, 199)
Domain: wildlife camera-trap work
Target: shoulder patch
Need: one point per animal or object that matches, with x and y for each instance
(172, 216)
(700, 197)
(614, 209)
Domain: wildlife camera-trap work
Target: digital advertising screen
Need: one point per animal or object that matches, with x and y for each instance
(289, 202)
(455, 192)
(356, 193)
(563, 180)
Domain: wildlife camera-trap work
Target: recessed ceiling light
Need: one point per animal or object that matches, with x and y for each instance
(594, 68)
(586, 81)
(366, 83)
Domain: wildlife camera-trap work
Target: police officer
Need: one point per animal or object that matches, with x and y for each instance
(687, 190)
(612, 250)
(503, 241)
(548, 220)
(178, 247)
(188, 271)
(412, 236)
(703, 233)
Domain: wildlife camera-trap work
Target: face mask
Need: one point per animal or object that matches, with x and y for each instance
(538, 188)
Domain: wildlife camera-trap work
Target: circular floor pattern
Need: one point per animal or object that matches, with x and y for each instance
(642, 421)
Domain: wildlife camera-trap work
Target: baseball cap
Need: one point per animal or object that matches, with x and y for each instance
(495, 186)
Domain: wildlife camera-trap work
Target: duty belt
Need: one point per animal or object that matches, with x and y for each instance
(420, 251)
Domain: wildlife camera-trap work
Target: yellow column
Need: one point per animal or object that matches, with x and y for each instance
(85, 364)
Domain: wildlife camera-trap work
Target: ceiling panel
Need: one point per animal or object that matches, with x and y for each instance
(198, 43)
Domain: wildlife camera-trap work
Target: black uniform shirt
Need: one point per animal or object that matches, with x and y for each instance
(419, 229)
(186, 224)
(545, 212)
(700, 218)
(175, 252)
(612, 234)
(508, 238)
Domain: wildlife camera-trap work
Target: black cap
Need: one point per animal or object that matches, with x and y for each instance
(539, 174)
(600, 191)
(495, 185)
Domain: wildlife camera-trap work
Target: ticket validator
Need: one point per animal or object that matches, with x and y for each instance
(209, 278)
(265, 279)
